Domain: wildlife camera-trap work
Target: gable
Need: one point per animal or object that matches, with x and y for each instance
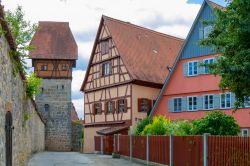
(118, 71)
(192, 47)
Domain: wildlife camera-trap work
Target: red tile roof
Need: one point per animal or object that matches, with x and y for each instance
(145, 53)
(112, 130)
(53, 40)
(215, 5)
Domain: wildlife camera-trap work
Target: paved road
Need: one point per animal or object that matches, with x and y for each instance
(76, 159)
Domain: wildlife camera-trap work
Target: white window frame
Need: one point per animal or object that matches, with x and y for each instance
(208, 102)
(206, 31)
(208, 59)
(247, 101)
(192, 103)
(242, 132)
(177, 104)
(226, 100)
(193, 68)
(106, 68)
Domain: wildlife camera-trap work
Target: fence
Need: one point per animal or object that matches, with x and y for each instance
(184, 150)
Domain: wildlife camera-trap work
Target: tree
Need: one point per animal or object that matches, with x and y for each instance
(33, 85)
(231, 38)
(22, 32)
(216, 123)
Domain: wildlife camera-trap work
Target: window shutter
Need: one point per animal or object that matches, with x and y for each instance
(201, 68)
(110, 67)
(149, 105)
(200, 102)
(93, 111)
(170, 105)
(113, 107)
(201, 33)
(117, 106)
(185, 69)
(106, 108)
(184, 104)
(125, 105)
(217, 101)
(232, 100)
(100, 69)
(139, 104)
(100, 104)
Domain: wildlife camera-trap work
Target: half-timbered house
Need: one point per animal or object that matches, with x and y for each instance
(126, 71)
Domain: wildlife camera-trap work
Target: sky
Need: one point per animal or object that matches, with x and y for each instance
(173, 17)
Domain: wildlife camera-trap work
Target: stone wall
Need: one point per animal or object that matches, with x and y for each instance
(54, 105)
(76, 136)
(28, 128)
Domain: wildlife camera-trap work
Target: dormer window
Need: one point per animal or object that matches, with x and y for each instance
(44, 67)
(104, 47)
(106, 68)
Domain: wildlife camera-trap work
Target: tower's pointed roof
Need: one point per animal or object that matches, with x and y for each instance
(53, 40)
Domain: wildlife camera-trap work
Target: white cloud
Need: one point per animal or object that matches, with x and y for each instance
(78, 77)
(85, 49)
(79, 106)
(179, 30)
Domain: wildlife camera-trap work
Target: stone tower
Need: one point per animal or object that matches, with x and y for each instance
(53, 57)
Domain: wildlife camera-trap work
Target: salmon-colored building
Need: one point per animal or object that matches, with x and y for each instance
(125, 74)
(190, 90)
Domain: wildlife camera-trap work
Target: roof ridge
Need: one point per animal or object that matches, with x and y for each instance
(140, 27)
(216, 4)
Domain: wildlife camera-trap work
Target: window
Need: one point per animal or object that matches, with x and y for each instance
(62, 86)
(44, 67)
(121, 106)
(192, 103)
(42, 90)
(247, 102)
(244, 132)
(206, 63)
(177, 104)
(208, 102)
(104, 47)
(192, 68)
(46, 107)
(97, 108)
(207, 31)
(225, 100)
(110, 107)
(64, 67)
(106, 68)
(144, 105)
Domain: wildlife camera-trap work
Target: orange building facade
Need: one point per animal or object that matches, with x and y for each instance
(190, 91)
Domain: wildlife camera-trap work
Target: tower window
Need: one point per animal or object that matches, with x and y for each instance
(64, 67)
(62, 86)
(44, 67)
(42, 90)
(104, 46)
(46, 107)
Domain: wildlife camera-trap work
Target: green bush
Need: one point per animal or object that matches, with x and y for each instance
(33, 85)
(159, 126)
(216, 123)
(182, 128)
(141, 125)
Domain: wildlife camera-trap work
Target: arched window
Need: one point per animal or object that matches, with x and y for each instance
(46, 107)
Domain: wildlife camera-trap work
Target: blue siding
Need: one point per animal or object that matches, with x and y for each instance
(192, 48)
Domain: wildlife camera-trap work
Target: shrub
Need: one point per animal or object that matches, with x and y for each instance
(216, 123)
(159, 126)
(182, 127)
(141, 125)
(33, 85)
